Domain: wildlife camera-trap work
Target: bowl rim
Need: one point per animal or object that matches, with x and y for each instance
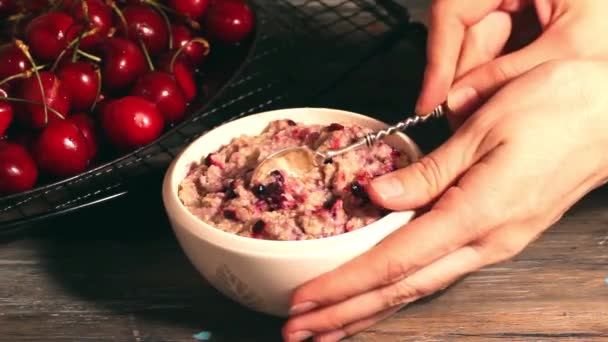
(195, 226)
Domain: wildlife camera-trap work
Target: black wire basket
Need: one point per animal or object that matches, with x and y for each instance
(300, 49)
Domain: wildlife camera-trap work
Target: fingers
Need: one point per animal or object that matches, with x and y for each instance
(422, 182)
(449, 20)
(480, 83)
(483, 42)
(356, 327)
(337, 319)
(462, 215)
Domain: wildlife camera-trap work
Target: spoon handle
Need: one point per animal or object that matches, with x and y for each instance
(372, 138)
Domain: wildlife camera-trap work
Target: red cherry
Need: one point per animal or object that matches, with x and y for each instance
(185, 78)
(161, 88)
(81, 80)
(124, 62)
(13, 61)
(61, 149)
(183, 74)
(6, 116)
(48, 34)
(191, 8)
(87, 126)
(228, 21)
(100, 17)
(32, 115)
(18, 171)
(143, 22)
(131, 122)
(194, 53)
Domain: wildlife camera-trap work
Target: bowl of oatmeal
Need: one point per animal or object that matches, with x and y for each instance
(256, 242)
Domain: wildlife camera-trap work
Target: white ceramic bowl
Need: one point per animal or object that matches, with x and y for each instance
(262, 274)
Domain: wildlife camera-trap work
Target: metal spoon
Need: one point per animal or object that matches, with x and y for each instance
(299, 160)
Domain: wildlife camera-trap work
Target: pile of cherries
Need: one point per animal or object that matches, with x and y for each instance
(82, 77)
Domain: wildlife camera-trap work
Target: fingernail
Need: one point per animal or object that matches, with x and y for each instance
(388, 186)
(302, 308)
(461, 98)
(299, 336)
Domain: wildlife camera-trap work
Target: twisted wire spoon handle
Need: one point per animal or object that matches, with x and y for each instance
(370, 139)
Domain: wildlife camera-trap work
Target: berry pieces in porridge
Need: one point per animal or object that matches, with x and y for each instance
(327, 201)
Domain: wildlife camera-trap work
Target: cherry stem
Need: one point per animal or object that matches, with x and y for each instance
(120, 15)
(16, 17)
(146, 54)
(181, 49)
(25, 74)
(159, 9)
(163, 7)
(14, 99)
(99, 85)
(75, 42)
(89, 56)
(24, 48)
(87, 20)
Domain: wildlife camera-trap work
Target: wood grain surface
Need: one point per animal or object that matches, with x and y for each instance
(116, 273)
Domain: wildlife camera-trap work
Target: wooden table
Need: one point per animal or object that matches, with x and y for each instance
(92, 276)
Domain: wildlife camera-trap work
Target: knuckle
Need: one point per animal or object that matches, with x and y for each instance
(431, 173)
(402, 292)
(395, 271)
(501, 72)
(501, 249)
(334, 321)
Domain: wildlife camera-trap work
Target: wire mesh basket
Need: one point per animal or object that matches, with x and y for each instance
(301, 49)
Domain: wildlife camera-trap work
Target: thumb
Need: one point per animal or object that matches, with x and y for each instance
(479, 84)
(424, 180)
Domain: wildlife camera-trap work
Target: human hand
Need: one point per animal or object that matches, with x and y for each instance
(510, 172)
(477, 46)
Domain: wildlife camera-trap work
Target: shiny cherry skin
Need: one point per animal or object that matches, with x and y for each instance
(18, 170)
(48, 34)
(131, 122)
(183, 74)
(228, 21)
(13, 61)
(194, 53)
(145, 23)
(86, 124)
(6, 116)
(160, 88)
(32, 115)
(124, 62)
(81, 80)
(185, 78)
(194, 9)
(100, 17)
(61, 149)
